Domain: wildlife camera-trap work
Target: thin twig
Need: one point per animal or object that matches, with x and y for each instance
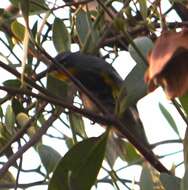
(23, 186)
(19, 169)
(68, 4)
(166, 142)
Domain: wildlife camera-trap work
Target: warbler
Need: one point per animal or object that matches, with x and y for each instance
(103, 82)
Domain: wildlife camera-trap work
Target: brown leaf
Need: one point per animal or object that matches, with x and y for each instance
(168, 64)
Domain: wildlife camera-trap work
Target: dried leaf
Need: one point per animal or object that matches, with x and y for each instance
(168, 64)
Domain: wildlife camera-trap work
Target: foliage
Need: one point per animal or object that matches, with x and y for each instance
(38, 111)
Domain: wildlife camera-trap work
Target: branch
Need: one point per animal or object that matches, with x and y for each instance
(109, 120)
(59, 102)
(30, 143)
(21, 132)
(148, 154)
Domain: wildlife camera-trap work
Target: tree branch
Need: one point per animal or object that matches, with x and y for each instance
(36, 137)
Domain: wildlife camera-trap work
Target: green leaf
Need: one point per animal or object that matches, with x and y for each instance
(18, 30)
(184, 102)
(1, 113)
(17, 106)
(144, 45)
(178, 1)
(128, 153)
(49, 157)
(60, 35)
(113, 149)
(10, 41)
(34, 29)
(77, 124)
(82, 25)
(35, 6)
(9, 119)
(134, 86)
(146, 182)
(79, 168)
(170, 182)
(169, 118)
(87, 34)
(14, 83)
(4, 139)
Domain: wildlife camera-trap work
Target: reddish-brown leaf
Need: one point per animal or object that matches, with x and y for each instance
(168, 64)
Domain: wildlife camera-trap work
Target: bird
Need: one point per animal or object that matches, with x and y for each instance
(103, 82)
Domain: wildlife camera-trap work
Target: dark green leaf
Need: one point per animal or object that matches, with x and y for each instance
(17, 106)
(87, 34)
(82, 25)
(79, 168)
(144, 45)
(34, 29)
(35, 6)
(170, 182)
(169, 118)
(14, 83)
(61, 37)
(134, 86)
(49, 157)
(1, 113)
(146, 182)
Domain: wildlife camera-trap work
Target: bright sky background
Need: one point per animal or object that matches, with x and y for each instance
(156, 126)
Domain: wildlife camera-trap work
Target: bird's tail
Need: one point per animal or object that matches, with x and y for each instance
(132, 123)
